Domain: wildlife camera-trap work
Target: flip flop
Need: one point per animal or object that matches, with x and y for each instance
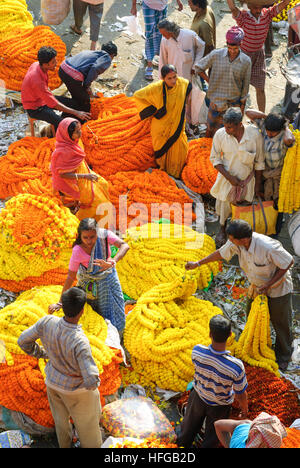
(149, 74)
(75, 30)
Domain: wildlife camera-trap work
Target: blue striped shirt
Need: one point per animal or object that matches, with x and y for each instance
(218, 375)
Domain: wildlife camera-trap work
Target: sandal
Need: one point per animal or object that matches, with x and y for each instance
(149, 74)
(75, 30)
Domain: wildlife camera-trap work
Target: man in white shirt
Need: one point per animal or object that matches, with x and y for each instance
(237, 154)
(267, 266)
(153, 11)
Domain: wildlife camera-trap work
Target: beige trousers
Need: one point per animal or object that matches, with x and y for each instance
(85, 410)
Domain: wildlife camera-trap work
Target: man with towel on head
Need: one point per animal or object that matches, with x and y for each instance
(228, 79)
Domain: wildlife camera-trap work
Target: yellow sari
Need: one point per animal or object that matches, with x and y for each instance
(167, 106)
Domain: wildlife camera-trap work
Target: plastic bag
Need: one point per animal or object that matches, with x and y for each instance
(137, 417)
(133, 25)
(55, 11)
(197, 100)
(14, 439)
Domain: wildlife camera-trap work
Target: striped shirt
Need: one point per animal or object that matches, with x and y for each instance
(256, 30)
(218, 375)
(274, 148)
(70, 363)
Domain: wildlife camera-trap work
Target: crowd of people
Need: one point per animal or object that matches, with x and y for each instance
(248, 158)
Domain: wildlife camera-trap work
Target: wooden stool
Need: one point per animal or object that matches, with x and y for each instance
(31, 123)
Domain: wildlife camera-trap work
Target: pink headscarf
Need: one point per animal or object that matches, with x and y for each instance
(235, 35)
(66, 157)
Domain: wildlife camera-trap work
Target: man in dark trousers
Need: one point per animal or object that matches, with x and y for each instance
(79, 71)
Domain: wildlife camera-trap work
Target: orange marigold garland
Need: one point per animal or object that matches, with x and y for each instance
(102, 107)
(199, 174)
(145, 193)
(18, 52)
(292, 440)
(118, 142)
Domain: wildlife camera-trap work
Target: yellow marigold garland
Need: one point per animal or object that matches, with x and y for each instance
(165, 324)
(158, 254)
(14, 18)
(289, 189)
(283, 16)
(254, 345)
(36, 234)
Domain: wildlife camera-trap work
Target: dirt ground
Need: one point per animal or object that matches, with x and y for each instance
(127, 74)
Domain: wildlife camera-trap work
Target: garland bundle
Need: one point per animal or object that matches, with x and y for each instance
(149, 442)
(199, 174)
(37, 234)
(158, 254)
(23, 388)
(102, 107)
(283, 16)
(292, 440)
(145, 193)
(18, 52)
(162, 329)
(14, 17)
(26, 167)
(289, 189)
(118, 142)
(254, 345)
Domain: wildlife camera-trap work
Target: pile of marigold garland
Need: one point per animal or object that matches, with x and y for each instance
(158, 254)
(199, 174)
(142, 197)
(19, 51)
(14, 18)
(283, 16)
(37, 234)
(162, 329)
(22, 377)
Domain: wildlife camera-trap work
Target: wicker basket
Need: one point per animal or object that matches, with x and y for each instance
(264, 3)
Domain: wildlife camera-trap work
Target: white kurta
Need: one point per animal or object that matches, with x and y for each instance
(184, 52)
(238, 158)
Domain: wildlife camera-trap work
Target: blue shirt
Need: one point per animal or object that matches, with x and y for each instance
(240, 436)
(218, 375)
(90, 63)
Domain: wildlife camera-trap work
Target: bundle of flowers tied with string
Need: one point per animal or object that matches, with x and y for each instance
(20, 51)
(289, 188)
(148, 196)
(118, 140)
(161, 330)
(14, 18)
(198, 173)
(23, 386)
(25, 168)
(255, 345)
(37, 234)
(158, 254)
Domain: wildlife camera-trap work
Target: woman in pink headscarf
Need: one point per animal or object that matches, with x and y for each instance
(81, 189)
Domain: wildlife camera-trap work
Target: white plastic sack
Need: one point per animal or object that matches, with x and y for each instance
(133, 26)
(55, 11)
(197, 100)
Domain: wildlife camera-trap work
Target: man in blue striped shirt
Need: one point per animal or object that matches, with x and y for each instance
(219, 379)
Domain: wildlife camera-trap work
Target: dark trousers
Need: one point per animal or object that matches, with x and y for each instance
(280, 309)
(80, 96)
(196, 412)
(47, 114)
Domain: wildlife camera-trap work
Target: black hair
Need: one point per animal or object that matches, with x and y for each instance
(275, 122)
(165, 69)
(200, 3)
(72, 127)
(239, 229)
(110, 47)
(45, 54)
(73, 301)
(220, 328)
(86, 224)
(233, 115)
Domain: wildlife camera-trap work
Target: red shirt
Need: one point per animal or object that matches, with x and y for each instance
(256, 30)
(35, 91)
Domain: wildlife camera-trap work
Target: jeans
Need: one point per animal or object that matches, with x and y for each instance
(80, 96)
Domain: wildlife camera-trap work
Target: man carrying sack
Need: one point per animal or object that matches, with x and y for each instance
(267, 266)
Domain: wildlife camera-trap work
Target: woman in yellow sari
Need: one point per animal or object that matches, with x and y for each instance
(165, 102)
(76, 184)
